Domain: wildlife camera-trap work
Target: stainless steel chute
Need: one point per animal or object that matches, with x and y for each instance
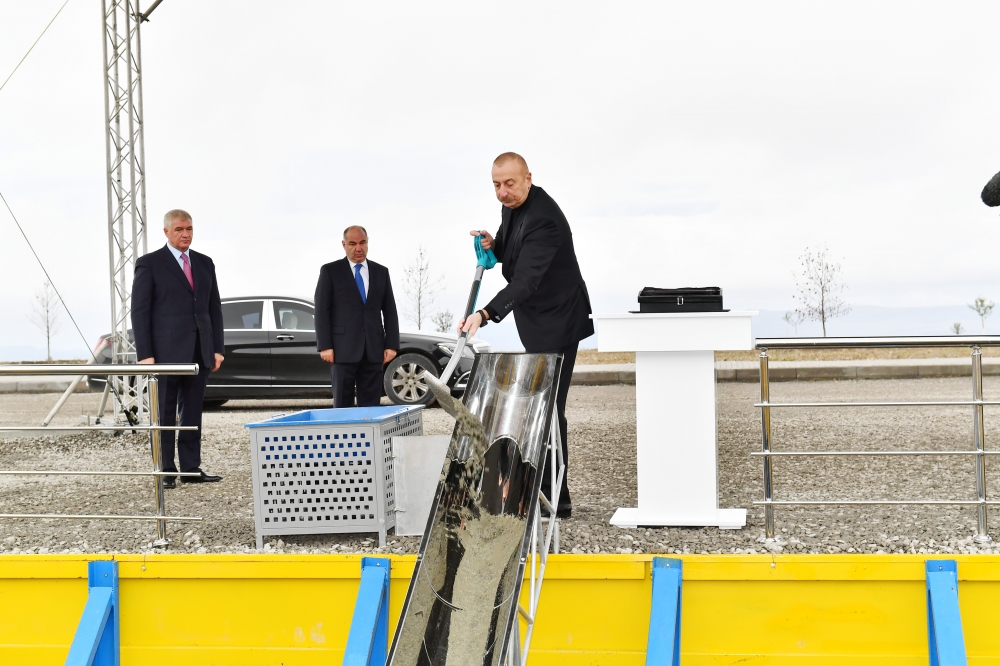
(462, 599)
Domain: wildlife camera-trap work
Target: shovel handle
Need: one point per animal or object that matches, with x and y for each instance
(460, 343)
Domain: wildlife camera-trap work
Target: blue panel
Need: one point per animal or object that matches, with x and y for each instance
(664, 645)
(340, 416)
(944, 618)
(368, 640)
(96, 641)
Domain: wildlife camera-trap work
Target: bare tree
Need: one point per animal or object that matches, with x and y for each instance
(820, 284)
(45, 315)
(793, 318)
(419, 285)
(443, 321)
(957, 328)
(984, 309)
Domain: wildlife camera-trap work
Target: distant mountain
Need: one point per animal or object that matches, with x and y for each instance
(865, 320)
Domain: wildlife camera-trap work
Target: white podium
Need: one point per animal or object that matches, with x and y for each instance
(675, 412)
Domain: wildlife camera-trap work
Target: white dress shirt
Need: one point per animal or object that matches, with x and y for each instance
(177, 255)
(364, 273)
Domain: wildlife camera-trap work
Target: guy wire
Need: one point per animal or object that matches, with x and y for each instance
(32, 46)
(131, 417)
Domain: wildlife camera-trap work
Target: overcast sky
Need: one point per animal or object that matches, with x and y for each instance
(689, 144)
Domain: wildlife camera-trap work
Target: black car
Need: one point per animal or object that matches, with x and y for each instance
(271, 353)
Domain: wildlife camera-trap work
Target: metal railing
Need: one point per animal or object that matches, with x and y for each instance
(976, 342)
(151, 372)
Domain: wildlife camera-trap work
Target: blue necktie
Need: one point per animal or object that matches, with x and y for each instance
(361, 282)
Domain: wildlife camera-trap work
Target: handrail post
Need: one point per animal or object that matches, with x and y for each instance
(765, 441)
(982, 529)
(153, 386)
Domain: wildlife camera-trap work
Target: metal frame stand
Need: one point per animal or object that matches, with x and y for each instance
(663, 647)
(368, 639)
(541, 540)
(126, 185)
(150, 373)
(946, 641)
(978, 450)
(97, 639)
(982, 530)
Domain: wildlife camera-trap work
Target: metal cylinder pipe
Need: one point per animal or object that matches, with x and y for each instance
(982, 529)
(153, 386)
(871, 342)
(130, 369)
(765, 443)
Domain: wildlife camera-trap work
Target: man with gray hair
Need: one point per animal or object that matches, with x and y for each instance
(177, 318)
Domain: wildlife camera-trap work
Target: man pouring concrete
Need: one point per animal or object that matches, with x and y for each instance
(545, 289)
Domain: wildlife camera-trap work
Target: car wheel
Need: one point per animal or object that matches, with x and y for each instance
(404, 380)
(209, 405)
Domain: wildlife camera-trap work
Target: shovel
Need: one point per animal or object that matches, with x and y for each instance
(485, 260)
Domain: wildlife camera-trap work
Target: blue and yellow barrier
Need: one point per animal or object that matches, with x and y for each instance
(595, 609)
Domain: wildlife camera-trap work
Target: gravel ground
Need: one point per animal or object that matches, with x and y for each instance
(602, 476)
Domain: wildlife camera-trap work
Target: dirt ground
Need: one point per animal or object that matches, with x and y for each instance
(602, 476)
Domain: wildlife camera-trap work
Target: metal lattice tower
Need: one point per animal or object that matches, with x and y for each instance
(126, 178)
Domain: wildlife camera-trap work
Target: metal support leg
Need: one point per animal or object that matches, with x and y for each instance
(544, 535)
(104, 400)
(157, 450)
(663, 647)
(96, 642)
(368, 639)
(982, 529)
(944, 617)
(514, 651)
(765, 442)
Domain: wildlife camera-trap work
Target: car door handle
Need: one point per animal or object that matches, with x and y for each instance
(285, 337)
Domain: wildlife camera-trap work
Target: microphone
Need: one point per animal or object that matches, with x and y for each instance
(991, 193)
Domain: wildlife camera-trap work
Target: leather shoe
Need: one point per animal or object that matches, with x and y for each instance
(169, 483)
(201, 478)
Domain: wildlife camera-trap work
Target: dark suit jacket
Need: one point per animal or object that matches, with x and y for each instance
(545, 288)
(167, 316)
(346, 324)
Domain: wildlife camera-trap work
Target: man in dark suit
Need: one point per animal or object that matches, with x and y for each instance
(177, 318)
(357, 328)
(545, 289)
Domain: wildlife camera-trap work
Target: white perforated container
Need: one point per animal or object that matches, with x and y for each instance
(324, 471)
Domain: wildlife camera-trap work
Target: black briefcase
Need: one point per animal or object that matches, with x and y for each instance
(685, 299)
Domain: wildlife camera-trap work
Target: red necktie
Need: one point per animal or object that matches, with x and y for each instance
(187, 270)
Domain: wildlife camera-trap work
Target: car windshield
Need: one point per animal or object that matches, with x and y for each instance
(291, 316)
(242, 315)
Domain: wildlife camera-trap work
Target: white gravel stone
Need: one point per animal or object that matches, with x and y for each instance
(601, 477)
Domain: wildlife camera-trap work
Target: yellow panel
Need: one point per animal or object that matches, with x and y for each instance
(288, 609)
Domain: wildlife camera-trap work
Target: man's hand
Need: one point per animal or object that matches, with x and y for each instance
(219, 358)
(388, 355)
(485, 239)
(148, 361)
(471, 324)
(327, 355)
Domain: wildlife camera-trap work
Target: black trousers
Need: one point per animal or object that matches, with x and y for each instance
(565, 375)
(362, 380)
(181, 398)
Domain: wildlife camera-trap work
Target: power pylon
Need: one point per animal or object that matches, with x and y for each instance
(126, 181)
